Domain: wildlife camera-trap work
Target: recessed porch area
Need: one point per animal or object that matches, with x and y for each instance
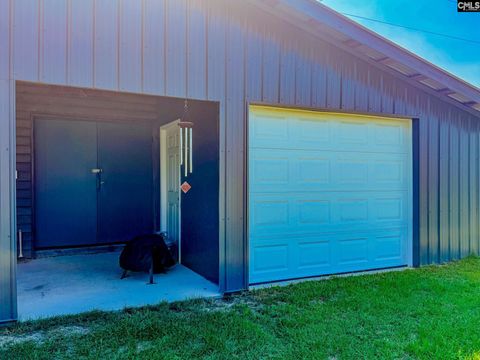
(99, 168)
(73, 284)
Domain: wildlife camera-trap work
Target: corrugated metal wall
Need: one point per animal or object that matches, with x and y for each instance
(231, 52)
(7, 172)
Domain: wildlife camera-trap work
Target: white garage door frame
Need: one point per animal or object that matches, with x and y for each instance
(251, 107)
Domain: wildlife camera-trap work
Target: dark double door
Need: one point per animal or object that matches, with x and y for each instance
(93, 182)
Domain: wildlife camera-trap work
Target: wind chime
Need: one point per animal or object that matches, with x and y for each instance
(186, 144)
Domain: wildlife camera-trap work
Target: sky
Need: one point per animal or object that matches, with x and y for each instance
(457, 57)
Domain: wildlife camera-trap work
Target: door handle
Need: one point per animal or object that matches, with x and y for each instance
(98, 174)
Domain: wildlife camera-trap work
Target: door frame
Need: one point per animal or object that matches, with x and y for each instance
(163, 186)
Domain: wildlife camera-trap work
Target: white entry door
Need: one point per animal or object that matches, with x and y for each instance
(170, 175)
(328, 193)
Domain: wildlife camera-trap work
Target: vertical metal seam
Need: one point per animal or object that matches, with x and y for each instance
(459, 224)
(68, 40)
(40, 40)
(142, 48)
(369, 87)
(325, 72)
(262, 64)
(449, 186)
(427, 140)
(13, 194)
(12, 145)
(279, 72)
(244, 157)
(165, 45)
(119, 41)
(438, 201)
(94, 42)
(468, 188)
(11, 27)
(226, 25)
(207, 21)
(355, 87)
(341, 90)
(187, 48)
(477, 157)
(311, 63)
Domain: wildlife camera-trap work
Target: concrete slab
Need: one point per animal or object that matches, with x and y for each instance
(73, 284)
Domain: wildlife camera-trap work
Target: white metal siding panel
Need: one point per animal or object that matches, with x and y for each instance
(454, 192)
(7, 194)
(348, 84)
(319, 83)
(80, 43)
(154, 47)
(464, 233)
(271, 68)
(196, 49)
(433, 194)
(54, 41)
(303, 80)
(5, 39)
(253, 65)
(473, 170)
(362, 93)
(444, 191)
(131, 37)
(216, 72)
(334, 92)
(375, 91)
(235, 115)
(328, 193)
(106, 44)
(216, 52)
(287, 75)
(176, 60)
(26, 36)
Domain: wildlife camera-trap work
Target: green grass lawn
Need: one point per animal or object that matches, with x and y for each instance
(428, 313)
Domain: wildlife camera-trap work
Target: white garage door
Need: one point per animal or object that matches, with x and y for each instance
(328, 193)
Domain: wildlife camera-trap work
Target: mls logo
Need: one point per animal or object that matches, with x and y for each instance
(468, 6)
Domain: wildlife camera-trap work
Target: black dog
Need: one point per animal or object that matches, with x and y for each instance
(146, 253)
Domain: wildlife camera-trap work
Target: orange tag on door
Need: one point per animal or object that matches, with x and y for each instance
(185, 187)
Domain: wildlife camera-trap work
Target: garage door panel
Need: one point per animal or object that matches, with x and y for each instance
(352, 134)
(298, 171)
(269, 258)
(352, 251)
(270, 131)
(392, 134)
(327, 132)
(389, 246)
(268, 169)
(300, 213)
(313, 133)
(315, 255)
(328, 193)
(271, 212)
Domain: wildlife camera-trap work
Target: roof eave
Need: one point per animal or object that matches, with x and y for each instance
(314, 12)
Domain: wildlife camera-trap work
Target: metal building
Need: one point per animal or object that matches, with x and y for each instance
(338, 151)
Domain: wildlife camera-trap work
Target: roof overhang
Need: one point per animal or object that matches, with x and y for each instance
(323, 22)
